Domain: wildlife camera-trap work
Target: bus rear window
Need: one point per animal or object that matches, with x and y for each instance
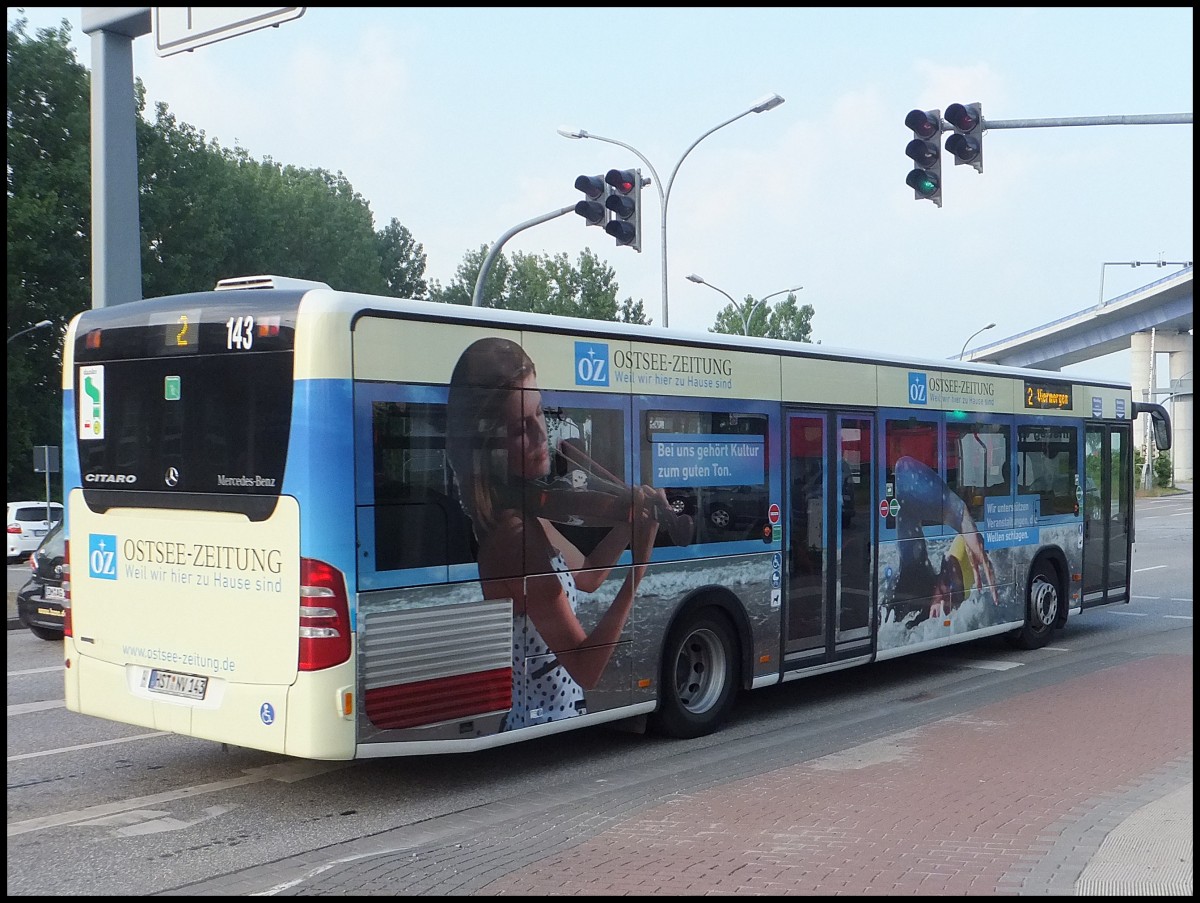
(185, 424)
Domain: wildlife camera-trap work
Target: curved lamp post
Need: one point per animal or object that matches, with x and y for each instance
(37, 325)
(746, 317)
(968, 341)
(770, 102)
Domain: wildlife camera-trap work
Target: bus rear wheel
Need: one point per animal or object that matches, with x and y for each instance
(699, 676)
(1042, 603)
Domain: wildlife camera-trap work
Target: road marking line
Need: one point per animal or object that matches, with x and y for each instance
(24, 708)
(285, 771)
(986, 665)
(67, 749)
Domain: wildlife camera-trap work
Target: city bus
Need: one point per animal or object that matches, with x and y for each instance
(333, 526)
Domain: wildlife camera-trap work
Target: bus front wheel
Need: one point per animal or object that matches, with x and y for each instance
(1042, 601)
(699, 676)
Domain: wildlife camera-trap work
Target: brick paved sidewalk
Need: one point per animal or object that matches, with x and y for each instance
(1012, 797)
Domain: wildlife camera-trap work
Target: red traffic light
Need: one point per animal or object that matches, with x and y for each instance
(921, 122)
(961, 117)
(622, 180)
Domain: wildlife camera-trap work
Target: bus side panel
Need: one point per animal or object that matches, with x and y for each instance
(320, 471)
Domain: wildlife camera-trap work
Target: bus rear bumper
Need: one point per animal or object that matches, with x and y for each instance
(305, 719)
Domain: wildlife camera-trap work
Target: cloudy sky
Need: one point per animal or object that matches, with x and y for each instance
(447, 119)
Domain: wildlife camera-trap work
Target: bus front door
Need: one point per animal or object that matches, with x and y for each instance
(830, 535)
(1107, 513)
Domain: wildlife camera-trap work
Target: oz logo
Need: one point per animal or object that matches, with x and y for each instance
(917, 390)
(102, 556)
(591, 364)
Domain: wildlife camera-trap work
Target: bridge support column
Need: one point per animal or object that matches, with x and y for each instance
(1178, 347)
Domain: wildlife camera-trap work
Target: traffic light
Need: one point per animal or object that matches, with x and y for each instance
(625, 202)
(966, 144)
(926, 151)
(596, 191)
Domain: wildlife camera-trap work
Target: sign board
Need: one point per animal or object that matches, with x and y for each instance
(45, 459)
(180, 28)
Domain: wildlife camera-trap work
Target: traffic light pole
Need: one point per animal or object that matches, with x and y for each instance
(1136, 119)
(477, 295)
(770, 102)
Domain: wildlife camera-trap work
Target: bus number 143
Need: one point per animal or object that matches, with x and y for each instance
(239, 333)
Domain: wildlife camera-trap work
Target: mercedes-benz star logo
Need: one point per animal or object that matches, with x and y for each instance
(172, 477)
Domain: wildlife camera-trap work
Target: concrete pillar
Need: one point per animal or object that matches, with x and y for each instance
(1178, 347)
(1139, 376)
(1179, 366)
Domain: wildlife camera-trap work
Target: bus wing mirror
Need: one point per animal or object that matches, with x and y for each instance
(1160, 423)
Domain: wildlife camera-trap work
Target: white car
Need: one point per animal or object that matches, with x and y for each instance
(28, 525)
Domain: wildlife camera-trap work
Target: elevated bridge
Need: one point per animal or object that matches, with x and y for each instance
(1154, 319)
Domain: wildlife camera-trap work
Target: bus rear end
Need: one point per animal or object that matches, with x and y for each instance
(194, 605)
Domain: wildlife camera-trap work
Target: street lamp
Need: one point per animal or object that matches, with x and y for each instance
(37, 325)
(968, 341)
(746, 317)
(770, 102)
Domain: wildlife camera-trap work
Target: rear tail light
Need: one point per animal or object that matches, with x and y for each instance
(324, 616)
(14, 528)
(66, 587)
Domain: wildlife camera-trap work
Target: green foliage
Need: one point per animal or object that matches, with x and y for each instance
(206, 212)
(784, 320)
(403, 262)
(49, 252)
(1163, 472)
(543, 283)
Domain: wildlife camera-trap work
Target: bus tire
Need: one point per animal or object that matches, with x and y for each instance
(699, 676)
(1043, 599)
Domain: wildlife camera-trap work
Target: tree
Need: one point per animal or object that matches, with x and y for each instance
(206, 212)
(542, 283)
(783, 320)
(403, 262)
(461, 289)
(49, 252)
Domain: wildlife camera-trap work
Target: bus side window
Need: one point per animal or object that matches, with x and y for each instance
(685, 453)
(418, 519)
(982, 451)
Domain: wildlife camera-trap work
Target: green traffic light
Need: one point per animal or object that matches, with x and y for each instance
(922, 182)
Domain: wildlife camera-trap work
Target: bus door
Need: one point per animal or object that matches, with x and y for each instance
(1107, 512)
(830, 534)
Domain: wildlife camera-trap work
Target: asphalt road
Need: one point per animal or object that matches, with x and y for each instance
(971, 769)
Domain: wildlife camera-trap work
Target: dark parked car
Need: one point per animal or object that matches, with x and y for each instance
(722, 507)
(40, 600)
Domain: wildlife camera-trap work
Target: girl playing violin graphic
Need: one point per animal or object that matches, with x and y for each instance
(499, 450)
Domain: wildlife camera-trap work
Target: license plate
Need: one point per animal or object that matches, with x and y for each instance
(54, 594)
(39, 532)
(172, 684)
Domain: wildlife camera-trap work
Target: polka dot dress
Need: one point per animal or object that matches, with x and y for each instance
(542, 689)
